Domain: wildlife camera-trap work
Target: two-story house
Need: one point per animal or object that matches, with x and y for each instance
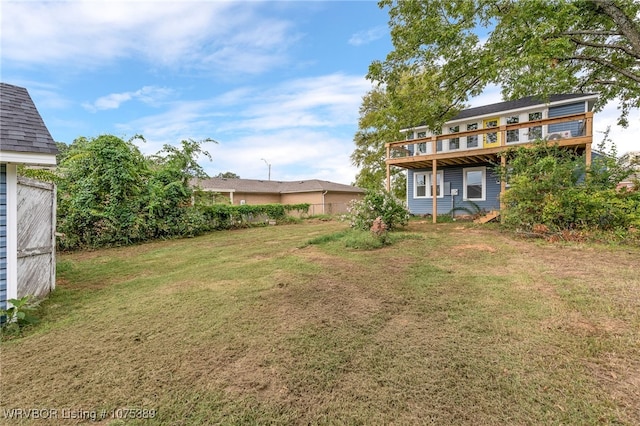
(455, 166)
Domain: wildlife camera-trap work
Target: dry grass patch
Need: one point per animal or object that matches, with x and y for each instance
(457, 325)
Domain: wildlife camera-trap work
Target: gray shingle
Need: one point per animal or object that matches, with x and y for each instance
(21, 126)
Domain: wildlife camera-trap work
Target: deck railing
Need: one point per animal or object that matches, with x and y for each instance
(575, 129)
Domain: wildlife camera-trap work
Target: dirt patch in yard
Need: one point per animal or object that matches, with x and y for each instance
(479, 247)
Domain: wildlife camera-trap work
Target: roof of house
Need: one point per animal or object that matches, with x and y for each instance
(517, 104)
(272, 186)
(21, 126)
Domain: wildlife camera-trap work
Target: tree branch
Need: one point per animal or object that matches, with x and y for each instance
(591, 32)
(625, 24)
(606, 64)
(606, 46)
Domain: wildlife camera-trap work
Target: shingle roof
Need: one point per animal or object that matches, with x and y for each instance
(273, 186)
(21, 127)
(517, 104)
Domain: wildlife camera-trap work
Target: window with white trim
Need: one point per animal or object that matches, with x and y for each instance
(536, 131)
(423, 183)
(454, 143)
(475, 183)
(513, 135)
(472, 141)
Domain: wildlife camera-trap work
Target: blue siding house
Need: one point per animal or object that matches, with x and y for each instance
(454, 167)
(24, 139)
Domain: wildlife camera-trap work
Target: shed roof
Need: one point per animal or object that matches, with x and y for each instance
(272, 186)
(21, 126)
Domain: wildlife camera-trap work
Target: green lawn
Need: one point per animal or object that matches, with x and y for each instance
(452, 324)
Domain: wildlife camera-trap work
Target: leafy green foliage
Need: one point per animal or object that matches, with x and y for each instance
(533, 47)
(19, 315)
(227, 175)
(382, 204)
(376, 126)
(225, 216)
(110, 194)
(552, 189)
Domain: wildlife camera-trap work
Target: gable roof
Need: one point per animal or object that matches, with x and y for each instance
(21, 126)
(272, 186)
(517, 104)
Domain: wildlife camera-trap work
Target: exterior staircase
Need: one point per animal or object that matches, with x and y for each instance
(493, 214)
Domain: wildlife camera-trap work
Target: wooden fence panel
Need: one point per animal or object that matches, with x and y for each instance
(36, 237)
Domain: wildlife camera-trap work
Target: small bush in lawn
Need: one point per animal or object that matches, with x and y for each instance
(364, 240)
(362, 213)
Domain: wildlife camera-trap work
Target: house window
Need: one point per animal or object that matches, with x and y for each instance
(423, 184)
(513, 135)
(454, 143)
(492, 137)
(422, 135)
(535, 132)
(422, 148)
(472, 141)
(420, 187)
(439, 145)
(474, 184)
(410, 135)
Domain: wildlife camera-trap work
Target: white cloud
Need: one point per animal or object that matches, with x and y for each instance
(367, 36)
(330, 100)
(218, 36)
(625, 139)
(314, 155)
(149, 95)
(304, 128)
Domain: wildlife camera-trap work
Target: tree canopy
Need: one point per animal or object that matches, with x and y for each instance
(446, 51)
(109, 193)
(227, 175)
(376, 126)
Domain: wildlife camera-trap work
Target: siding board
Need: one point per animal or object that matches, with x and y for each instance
(454, 175)
(574, 126)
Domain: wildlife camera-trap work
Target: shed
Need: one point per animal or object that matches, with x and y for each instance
(27, 207)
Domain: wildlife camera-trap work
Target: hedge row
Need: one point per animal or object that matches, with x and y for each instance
(225, 216)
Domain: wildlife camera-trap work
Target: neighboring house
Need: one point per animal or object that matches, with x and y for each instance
(632, 160)
(27, 209)
(456, 166)
(323, 196)
(631, 182)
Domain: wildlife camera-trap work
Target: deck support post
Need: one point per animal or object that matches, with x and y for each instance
(434, 189)
(388, 184)
(503, 182)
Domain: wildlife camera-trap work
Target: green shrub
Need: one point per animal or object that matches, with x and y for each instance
(551, 188)
(362, 213)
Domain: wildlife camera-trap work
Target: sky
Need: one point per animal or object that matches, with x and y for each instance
(278, 84)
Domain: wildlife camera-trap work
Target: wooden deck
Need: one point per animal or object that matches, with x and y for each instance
(401, 154)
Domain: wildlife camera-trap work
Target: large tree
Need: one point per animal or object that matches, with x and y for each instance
(376, 126)
(455, 48)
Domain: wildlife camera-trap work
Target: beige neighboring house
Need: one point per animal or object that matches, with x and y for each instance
(324, 197)
(631, 159)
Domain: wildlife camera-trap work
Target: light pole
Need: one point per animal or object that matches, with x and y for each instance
(267, 163)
